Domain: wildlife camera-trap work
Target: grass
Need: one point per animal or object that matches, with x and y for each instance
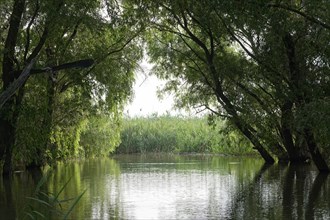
(180, 135)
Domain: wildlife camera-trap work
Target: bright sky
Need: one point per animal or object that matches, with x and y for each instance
(145, 100)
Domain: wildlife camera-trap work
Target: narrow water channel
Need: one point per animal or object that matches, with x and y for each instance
(174, 187)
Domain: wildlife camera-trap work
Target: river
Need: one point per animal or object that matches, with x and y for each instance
(171, 187)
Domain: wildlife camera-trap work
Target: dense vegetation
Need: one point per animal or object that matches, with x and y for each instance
(263, 65)
(180, 135)
(67, 70)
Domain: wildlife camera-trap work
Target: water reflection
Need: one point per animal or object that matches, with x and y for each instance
(178, 187)
(284, 192)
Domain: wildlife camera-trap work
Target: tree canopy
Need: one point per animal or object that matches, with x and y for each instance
(261, 65)
(43, 119)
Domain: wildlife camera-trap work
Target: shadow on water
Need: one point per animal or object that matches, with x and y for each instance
(6, 198)
(187, 187)
(14, 191)
(283, 192)
(314, 195)
(243, 196)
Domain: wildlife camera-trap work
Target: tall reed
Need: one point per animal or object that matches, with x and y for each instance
(180, 135)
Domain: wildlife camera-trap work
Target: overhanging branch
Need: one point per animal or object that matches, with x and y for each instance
(10, 91)
(22, 76)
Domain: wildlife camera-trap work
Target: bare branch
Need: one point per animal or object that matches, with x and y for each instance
(216, 112)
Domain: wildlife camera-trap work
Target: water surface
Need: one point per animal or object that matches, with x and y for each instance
(175, 187)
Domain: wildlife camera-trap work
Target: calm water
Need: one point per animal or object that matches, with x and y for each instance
(175, 187)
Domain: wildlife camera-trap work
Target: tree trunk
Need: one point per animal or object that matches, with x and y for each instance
(241, 125)
(7, 127)
(246, 130)
(295, 153)
(317, 157)
(7, 140)
(17, 84)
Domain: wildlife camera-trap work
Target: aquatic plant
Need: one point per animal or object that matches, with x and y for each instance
(44, 204)
(180, 135)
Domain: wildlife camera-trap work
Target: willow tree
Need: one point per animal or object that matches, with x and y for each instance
(190, 47)
(285, 40)
(257, 64)
(56, 103)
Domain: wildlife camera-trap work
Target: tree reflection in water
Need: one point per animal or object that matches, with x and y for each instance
(178, 187)
(283, 192)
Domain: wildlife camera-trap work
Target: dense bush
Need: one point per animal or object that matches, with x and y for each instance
(180, 135)
(101, 136)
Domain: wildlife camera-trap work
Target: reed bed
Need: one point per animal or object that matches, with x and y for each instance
(171, 134)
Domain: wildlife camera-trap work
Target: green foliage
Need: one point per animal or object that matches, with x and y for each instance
(316, 115)
(259, 64)
(66, 141)
(180, 135)
(30, 126)
(101, 136)
(52, 111)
